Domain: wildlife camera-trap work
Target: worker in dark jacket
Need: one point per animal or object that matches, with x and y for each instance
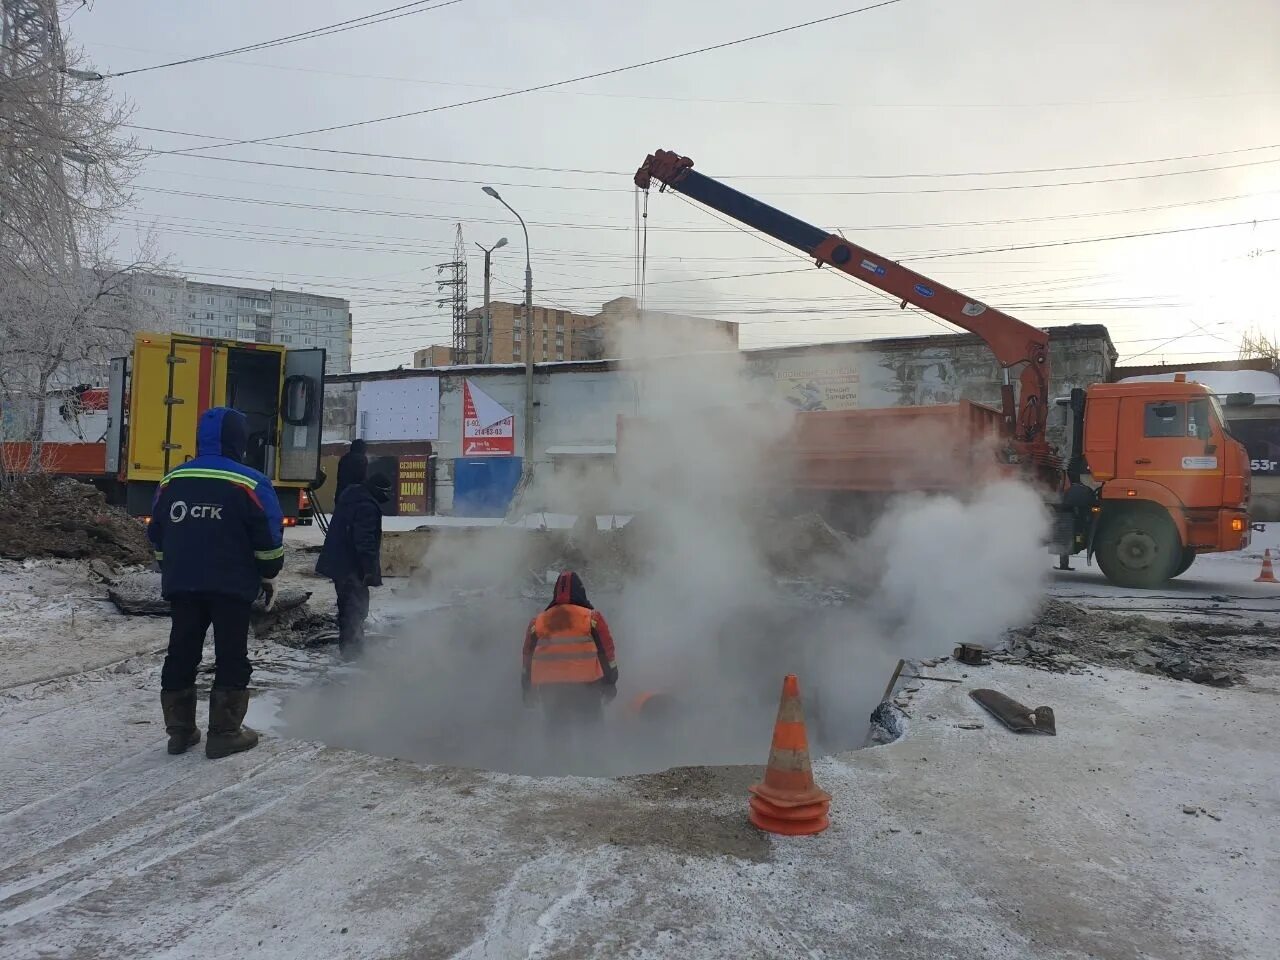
(218, 534)
(352, 556)
(570, 664)
(353, 467)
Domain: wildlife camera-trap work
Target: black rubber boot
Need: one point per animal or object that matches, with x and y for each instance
(179, 708)
(227, 735)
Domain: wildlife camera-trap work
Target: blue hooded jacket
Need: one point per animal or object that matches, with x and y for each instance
(216, 524)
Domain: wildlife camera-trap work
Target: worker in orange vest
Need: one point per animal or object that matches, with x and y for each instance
(569, 660)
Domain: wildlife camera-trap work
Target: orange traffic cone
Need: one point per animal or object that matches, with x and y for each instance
(1267, 575)
(788, 801)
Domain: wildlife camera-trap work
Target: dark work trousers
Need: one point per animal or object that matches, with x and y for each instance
(353, 608)
(573, 725)
(571, 706)
(192, 614)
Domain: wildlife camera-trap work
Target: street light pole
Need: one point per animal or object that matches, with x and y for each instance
(486, 339)
(528, 333)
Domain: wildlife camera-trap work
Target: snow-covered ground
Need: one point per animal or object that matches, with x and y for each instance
(949, 843)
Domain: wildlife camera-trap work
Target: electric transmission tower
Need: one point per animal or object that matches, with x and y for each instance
(31, 69)
(456, 284)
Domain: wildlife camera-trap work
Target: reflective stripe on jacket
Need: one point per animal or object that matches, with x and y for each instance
(566, 647)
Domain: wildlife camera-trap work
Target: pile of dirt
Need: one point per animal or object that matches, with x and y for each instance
(42, 516)
(1065, 636)
(297, 626)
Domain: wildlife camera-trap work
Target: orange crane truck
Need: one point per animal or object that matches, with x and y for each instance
(1152, 479)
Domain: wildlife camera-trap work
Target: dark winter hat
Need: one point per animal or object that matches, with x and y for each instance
(357, 446)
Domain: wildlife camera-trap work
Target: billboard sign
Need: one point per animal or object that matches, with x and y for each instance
(401, 409)
(488, 428)
(411, 492)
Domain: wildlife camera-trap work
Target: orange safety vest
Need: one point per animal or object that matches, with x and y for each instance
(564, 649)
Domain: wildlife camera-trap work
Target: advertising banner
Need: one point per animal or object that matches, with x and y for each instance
(488, 428)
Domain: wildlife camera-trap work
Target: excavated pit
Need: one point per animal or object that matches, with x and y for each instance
(445, 689)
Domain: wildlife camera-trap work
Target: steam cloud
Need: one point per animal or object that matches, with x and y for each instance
(699, 616)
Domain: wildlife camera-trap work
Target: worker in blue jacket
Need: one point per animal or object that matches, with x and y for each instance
(218, 533)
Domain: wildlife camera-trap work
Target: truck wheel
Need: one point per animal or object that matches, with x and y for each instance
(1139, 547)
(1188, 558)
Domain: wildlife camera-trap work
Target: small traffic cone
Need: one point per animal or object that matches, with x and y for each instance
(788, 801)
(1267, 575)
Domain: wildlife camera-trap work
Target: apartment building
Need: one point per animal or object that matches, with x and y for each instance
(293, 318)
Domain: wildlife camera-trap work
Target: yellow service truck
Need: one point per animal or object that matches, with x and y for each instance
(158, 393)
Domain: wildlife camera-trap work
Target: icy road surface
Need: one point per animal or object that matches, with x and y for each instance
(950, 843)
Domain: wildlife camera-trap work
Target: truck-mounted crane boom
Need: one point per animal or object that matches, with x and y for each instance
(1013, 342)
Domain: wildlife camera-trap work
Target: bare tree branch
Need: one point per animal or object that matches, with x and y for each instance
(67, 303)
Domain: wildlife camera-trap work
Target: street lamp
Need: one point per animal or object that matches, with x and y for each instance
(486, 342)
(87, 75)
(528, 333)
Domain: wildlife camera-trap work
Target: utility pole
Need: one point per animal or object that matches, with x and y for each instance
(528, 348)
(485, 350)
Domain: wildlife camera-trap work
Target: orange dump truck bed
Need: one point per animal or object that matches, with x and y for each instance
(895, 449)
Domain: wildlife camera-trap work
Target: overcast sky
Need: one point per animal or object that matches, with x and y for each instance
(828, 123)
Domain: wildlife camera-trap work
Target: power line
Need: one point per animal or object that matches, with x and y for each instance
(381, 16)
(1071, 243)
(596, 227)
(773, 193)
(542, 168)
(559, 83)
(843, 104)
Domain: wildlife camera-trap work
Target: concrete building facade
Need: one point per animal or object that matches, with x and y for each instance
(621, 329)
(557, 334)
(577, 404)
(293, 318)
(436, 355)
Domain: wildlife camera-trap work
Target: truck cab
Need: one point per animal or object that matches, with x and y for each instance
(1170, 480)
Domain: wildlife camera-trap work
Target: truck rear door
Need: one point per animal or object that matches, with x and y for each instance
(116, 395)
(301, 416)
(171, 385)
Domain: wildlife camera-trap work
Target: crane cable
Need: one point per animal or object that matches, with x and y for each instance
(642, 247)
